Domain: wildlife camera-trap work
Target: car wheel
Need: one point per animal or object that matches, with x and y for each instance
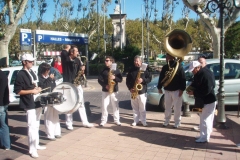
(161, 105)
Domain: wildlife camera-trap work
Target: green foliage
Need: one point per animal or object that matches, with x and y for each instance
(232, 43)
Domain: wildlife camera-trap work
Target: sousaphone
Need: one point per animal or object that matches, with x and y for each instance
(177, 43)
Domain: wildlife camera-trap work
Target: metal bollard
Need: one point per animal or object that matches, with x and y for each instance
(88, 110)
(186, 110)
(238, 103)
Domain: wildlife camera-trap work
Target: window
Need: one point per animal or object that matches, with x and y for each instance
(232, 71)
(14, 76)
(215, 68)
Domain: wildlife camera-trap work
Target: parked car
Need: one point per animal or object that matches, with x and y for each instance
(11, 72)
(15, 63)
(231, 81)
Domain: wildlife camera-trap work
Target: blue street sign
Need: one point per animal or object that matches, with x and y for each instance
(44, 36)
(25, 37)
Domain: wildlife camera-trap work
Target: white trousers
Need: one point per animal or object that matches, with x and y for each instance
(206, 120)
(139, 108)
(106, 100)
(51, 121)
(33, 122)
(81, 110)
(172, 99)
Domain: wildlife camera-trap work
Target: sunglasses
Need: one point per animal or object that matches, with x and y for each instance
(30, 61)
(107, 60)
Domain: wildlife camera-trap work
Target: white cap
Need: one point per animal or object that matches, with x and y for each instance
(192, 65)
(27, 57)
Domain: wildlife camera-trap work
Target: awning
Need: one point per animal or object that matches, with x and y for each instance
(52, 53)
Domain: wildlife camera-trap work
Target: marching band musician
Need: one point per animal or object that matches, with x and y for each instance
(139, 103)
(26, 86)
(51, 117)
(203, 92)
(173, 91)
(107, 95)
(71, 66)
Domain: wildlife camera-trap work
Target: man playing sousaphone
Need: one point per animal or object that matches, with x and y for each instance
(173, 90)
(137, 79)
(109, 79)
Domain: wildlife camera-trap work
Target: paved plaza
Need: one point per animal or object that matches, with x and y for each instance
(125, 142)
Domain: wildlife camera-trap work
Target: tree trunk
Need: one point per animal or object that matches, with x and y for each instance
(216, 42)
(4, 56)
(13, 16)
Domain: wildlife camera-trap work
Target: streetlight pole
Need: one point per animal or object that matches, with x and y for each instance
(142, 54)
(225, 7)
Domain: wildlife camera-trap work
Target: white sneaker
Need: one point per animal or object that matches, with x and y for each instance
(134, 124)
(196, 128)
(118, 123)
(70, 127)
(145, 124)
(102, 124)
(41, 147)
(34, 155)
(89, 125)
(198, 137)
(166, 123)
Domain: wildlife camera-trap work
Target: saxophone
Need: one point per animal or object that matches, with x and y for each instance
(111, 83)
(137, 87)
(77, 81)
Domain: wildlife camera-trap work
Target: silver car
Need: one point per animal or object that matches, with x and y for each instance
(231, 83)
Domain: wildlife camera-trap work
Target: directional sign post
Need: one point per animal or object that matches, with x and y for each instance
(44, 36)
(25, 39)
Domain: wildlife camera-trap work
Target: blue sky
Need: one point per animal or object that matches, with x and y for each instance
(133, 9)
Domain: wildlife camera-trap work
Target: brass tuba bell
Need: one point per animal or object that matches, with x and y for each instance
(177, 43)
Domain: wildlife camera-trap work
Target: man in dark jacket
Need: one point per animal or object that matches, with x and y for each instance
(173, 90)
(4, 101)
(26, 86)
(139, 75)
(109, 79)
(203, 92)
(71, 66)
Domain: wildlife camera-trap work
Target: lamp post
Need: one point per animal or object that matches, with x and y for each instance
(225, 7)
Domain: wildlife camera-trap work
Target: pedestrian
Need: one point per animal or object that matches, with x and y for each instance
(109, 78)
(71, 66)
(203, 92)
(173, 90)
(4, 101)
(54, 61)
(202, 60)
(51, 117)
(138, 76)
(26, 86)
(58, 64)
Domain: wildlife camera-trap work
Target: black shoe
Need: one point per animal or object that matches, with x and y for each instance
(58, 136)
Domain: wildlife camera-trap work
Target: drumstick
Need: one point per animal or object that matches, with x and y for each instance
(46, 88)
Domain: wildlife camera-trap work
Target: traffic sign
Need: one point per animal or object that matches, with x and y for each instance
(45, 36)
(25, 37)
